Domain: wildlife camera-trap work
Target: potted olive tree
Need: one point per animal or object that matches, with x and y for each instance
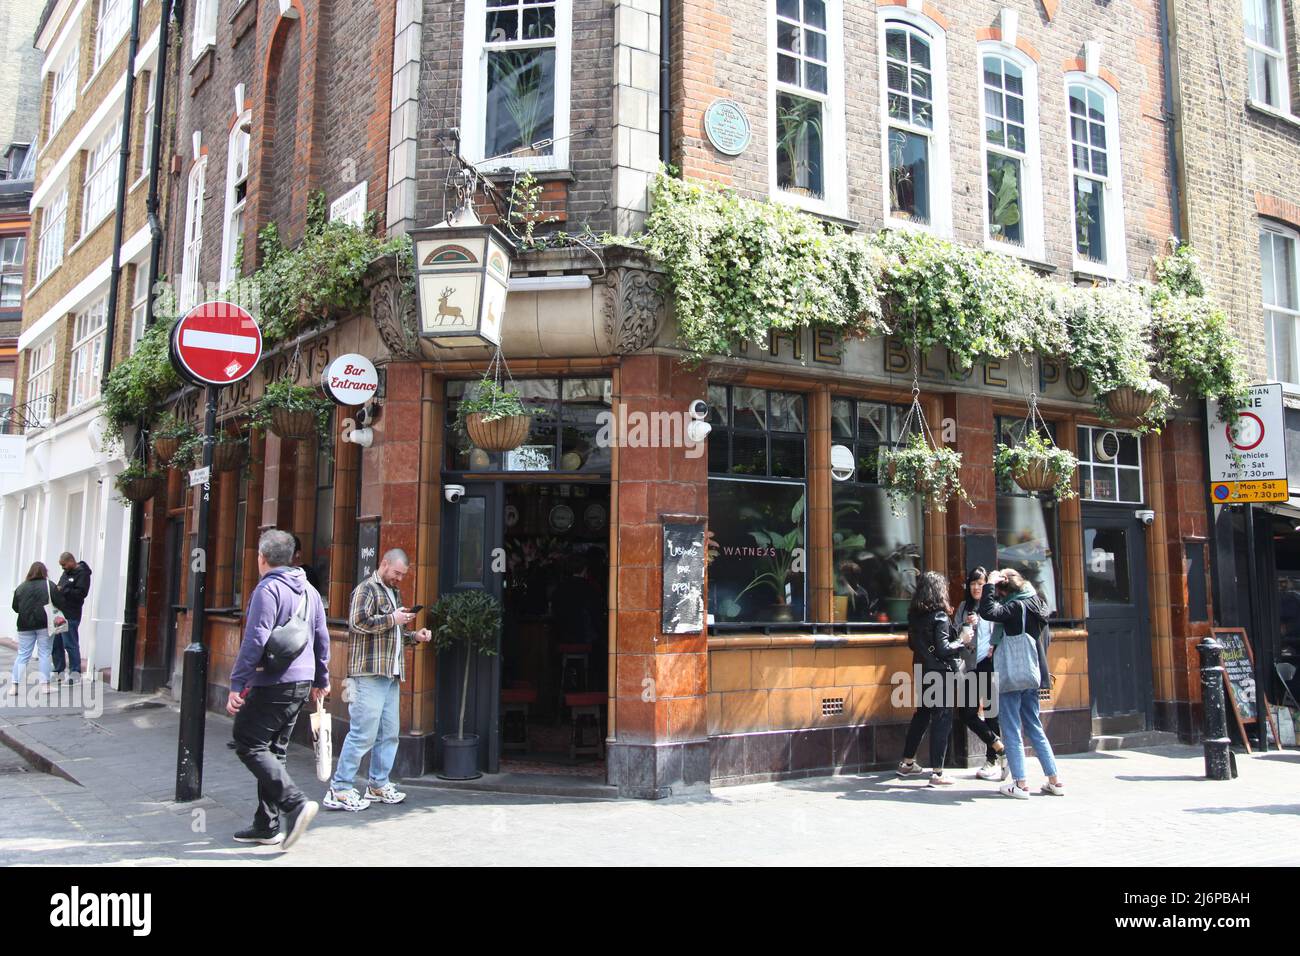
(470, 619)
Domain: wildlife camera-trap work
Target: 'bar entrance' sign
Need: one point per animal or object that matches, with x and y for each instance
(683, 596)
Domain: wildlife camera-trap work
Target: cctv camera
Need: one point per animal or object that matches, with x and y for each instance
(360, 436)
(697, 431)
(1146, 517)
(453, 493)
(699, 409)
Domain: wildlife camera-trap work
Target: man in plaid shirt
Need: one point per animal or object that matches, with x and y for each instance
(377, 641)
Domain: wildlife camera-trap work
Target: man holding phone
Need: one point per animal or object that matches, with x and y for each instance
(378, 634)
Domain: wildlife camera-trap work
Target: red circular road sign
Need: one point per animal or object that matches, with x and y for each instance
(217, 343)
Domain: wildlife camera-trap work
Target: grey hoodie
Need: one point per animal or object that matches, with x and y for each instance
(271, 604)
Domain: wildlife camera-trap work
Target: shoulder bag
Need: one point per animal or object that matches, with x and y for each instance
(55, 622)
(1015, 661)
(286, 641)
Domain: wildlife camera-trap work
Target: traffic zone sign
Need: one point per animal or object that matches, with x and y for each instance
(1236, 492)
(216, 343)
(1248, 458)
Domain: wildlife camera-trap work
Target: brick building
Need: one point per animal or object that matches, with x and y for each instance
(64, 499)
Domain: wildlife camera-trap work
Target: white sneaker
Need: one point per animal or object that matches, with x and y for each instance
(990, 771)
(13, 689)
(1053, 789)
(1009, 789)
(347, 799)
(940, 780)
(385, 794)
(913, 769)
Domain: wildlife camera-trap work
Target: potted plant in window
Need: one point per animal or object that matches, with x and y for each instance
(797, 127)
(137, 482)
(495, 418)
(170, 433)
(918, 468)
(291, 411)
(1004, 198)
(471, 619)
(777, 567)
(899, 572)
(1037, 464)
(522, 77)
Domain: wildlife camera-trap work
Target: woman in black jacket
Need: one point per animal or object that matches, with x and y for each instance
(29, 602)
(938, 651)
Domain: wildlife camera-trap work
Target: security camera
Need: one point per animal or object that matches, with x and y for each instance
(366, 414)
(697, 431)
(1146, 517)
(453, 493)
(699, 409)
(360, 436)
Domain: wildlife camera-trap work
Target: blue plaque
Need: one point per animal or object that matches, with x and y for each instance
(727, 127)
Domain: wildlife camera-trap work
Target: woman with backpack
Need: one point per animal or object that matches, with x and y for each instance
(1020, 620)
(937, 651)
(30, 600)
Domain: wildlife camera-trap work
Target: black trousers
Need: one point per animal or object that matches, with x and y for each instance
(984, 671)
(939, 719)
(262, 730)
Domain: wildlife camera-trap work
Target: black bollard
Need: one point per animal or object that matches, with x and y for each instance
(1219, 764)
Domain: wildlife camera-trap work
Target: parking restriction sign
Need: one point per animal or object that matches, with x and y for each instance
(1248, 458)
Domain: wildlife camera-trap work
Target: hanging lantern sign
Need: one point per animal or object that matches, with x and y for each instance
(462, 276)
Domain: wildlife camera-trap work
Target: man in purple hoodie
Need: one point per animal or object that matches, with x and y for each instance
(266, 707)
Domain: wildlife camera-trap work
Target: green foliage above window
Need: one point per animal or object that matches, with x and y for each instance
(743, 268)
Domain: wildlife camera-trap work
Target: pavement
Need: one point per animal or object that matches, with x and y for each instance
(114, 805)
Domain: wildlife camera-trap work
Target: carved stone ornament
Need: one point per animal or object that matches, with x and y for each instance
(393, 310)
(634, 311)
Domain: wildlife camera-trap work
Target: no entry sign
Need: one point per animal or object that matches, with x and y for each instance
(217, 343)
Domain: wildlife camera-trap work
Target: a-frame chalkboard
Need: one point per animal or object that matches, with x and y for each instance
(1244, 698)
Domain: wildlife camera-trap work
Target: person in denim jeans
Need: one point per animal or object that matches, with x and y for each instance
(74, 586)
(29, 602)
(377, 641)
(1017, 609)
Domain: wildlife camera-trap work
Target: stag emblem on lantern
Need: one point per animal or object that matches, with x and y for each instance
(449, 312)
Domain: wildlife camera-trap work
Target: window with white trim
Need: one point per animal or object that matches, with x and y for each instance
(110, 27)
(13, 255)
(87, 360)
(63, 92)
(146, 135)
(807, 95)
(914, 111)
(99, 195)
(1278, 266)
(236, 199)
(515, 101)
(205, 26)
(189, 296)
(1266, 53)
(1110, 465)
(40, 381)
(1012, 171)
(139, 303)
(1094, 162)
(54, 218)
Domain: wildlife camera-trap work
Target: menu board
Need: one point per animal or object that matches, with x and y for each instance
(683, 592)
(1239, 679)
(367, 548)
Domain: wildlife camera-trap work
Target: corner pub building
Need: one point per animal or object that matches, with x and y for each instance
(791, 674)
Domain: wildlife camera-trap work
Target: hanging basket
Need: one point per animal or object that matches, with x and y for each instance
(1129, 403)
(139, 490)
(293, 423)
(502, 434)
(1036, 476)
(229, 455)
(164, 449)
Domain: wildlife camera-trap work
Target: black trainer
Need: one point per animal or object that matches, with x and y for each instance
(254, 835)
(298, 821)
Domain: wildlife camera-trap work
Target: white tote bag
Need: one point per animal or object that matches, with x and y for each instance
(54, 619)
(322, 736)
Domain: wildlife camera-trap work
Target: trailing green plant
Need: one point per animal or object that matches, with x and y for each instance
(284, 394)
(525, 213)
(140, 381)
(494, 401)
(135, 469)
(916, 468)
(471, 619)
(1034, 449)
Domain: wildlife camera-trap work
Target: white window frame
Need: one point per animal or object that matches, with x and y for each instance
(1116, 264)
(193, 239)
(205, 27)
(1274, 55)
(99, 194)
(146, 138)
(40, 381)
(239, 144)
(473, 102)
(939, 135)
(110, 26)
(1092, 465)
(54, 222)
(1031, 165)
(1274, 312)
(86, 361)
(834, 201)
(63, 90)
(139, 302)
(13, 263)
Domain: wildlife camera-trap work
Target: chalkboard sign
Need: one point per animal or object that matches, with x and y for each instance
(367, 548)
(683, 598)
(1239, 679)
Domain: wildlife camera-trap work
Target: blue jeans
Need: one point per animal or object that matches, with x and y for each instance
(27, 641)
(374, 716)
(1018, 710)
(69, 642)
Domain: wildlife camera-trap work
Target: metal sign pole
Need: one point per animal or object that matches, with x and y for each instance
(194, 683)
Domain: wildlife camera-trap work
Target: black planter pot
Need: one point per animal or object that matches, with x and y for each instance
(460, 757)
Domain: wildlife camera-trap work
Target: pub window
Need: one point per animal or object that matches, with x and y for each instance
(323, 532)
(1098, 195)
(1110, 465)
(915, 118)
(1028, 524)
(237, 566)
(1013, 187)
(1266, 54)
(808, 93)
(570, 433)
(877, 555)
(757, 500)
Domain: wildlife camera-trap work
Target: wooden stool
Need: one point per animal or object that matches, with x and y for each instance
(586, 704)
(515, 700)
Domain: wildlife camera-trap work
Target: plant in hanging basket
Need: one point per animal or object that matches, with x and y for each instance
(291, 411)
(1037, 464)
(495, 418)
(1128, 403)
(137, 482)
(228, 451)
(917, 468)
(170, 434)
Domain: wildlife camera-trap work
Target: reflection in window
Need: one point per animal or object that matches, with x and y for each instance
(1091, 163)
(909, 90)
(1028, 524)
(471, 544)
(1110, 465)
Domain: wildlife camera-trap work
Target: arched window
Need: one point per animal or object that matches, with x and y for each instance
(1095, 173)
(1013, 213)
(236, 197)
(191, 293)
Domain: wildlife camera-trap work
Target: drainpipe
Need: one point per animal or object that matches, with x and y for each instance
(665, 82)
(1167, 30)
